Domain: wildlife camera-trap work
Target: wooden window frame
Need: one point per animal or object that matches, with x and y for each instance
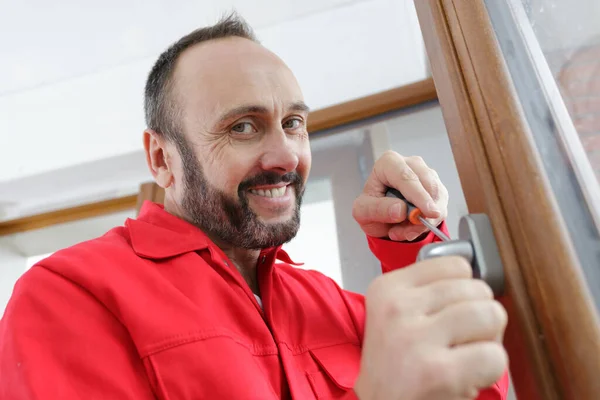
(319, 120)
(553, 336)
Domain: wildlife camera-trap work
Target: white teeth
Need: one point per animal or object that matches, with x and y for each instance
(275, 192)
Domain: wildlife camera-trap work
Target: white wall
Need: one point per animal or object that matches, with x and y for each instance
(316, 244)
(18, 251)
(12, 265)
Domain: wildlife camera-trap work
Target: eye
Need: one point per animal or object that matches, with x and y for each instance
(293, 123)
(243, 128)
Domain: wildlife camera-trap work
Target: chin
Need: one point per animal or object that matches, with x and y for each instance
(276, 220)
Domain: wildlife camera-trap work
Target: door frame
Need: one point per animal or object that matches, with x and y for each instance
(553, 344)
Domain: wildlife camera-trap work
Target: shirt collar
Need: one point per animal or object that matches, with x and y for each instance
(157, 234)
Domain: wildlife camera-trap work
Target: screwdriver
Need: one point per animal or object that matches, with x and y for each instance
(415, 216)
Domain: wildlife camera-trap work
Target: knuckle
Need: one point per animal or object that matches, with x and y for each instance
(389, 155)
(437, 372)
(407, 337)
(444, 190)
(376, 286)
(447, 291)
(394, 308)
(434, 189)
(358, 209)
(394, 302)
(418, 160)
(407, 174)
(383, 210)
(383, 288)
(500, 313)
(494, 355)
(460, 265)
(481, 289)
(372, 208)
(490, 315)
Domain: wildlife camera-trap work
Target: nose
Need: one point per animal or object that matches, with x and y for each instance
(280, 152)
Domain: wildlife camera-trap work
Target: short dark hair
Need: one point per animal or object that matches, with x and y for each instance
(159, 104)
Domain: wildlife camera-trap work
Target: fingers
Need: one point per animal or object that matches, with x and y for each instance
(428, 177)
(378, 209)
(438, 331)
(406, 231)
(419, 184)
(438, 295)
(393, 171)
(471, 321)
(429, 271)
(480, 365)
(369, 210)
(430, 180)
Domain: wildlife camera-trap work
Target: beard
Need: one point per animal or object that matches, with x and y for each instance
(231, 220)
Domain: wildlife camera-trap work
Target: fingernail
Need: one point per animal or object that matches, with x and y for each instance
(412, 236)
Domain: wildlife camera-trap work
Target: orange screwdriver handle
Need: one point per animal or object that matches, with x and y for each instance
(412, 212)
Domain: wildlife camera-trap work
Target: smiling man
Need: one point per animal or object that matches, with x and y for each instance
(195, 299)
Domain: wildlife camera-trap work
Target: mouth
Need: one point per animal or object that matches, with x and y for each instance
(270, 191)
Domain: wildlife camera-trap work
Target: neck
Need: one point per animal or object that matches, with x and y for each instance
(245, 260)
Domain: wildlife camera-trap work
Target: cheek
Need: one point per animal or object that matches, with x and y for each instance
(227, 170)
(304, 160)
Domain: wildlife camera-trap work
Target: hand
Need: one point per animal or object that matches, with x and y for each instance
(431, 333)
(381, 216)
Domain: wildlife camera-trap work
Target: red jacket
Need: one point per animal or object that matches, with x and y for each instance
(153, 310)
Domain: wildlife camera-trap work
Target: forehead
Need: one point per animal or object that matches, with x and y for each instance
(215, 76)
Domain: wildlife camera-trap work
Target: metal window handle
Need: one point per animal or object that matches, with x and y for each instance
(477, 244)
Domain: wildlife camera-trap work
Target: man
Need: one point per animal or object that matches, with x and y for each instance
(197, 300)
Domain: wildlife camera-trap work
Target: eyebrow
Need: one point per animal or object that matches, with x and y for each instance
(298, 106)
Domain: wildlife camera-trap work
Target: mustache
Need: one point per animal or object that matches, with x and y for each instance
(271, 178)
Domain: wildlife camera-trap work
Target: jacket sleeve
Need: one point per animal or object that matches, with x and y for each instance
(395, 255)
(59, 342)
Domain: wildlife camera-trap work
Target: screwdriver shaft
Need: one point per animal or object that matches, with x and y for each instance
(434, 229)
(413, 213)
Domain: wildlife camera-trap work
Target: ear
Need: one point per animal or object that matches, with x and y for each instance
(157, 158)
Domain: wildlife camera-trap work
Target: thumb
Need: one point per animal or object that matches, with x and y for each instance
(387, 210)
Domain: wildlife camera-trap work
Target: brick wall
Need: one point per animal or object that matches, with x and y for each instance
(578, 76)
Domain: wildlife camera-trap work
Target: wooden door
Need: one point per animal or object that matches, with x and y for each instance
(523, 117)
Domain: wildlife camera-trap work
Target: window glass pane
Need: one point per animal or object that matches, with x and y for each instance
(552, 51)
(568, 32)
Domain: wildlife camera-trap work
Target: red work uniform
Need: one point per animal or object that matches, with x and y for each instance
(154, 309)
